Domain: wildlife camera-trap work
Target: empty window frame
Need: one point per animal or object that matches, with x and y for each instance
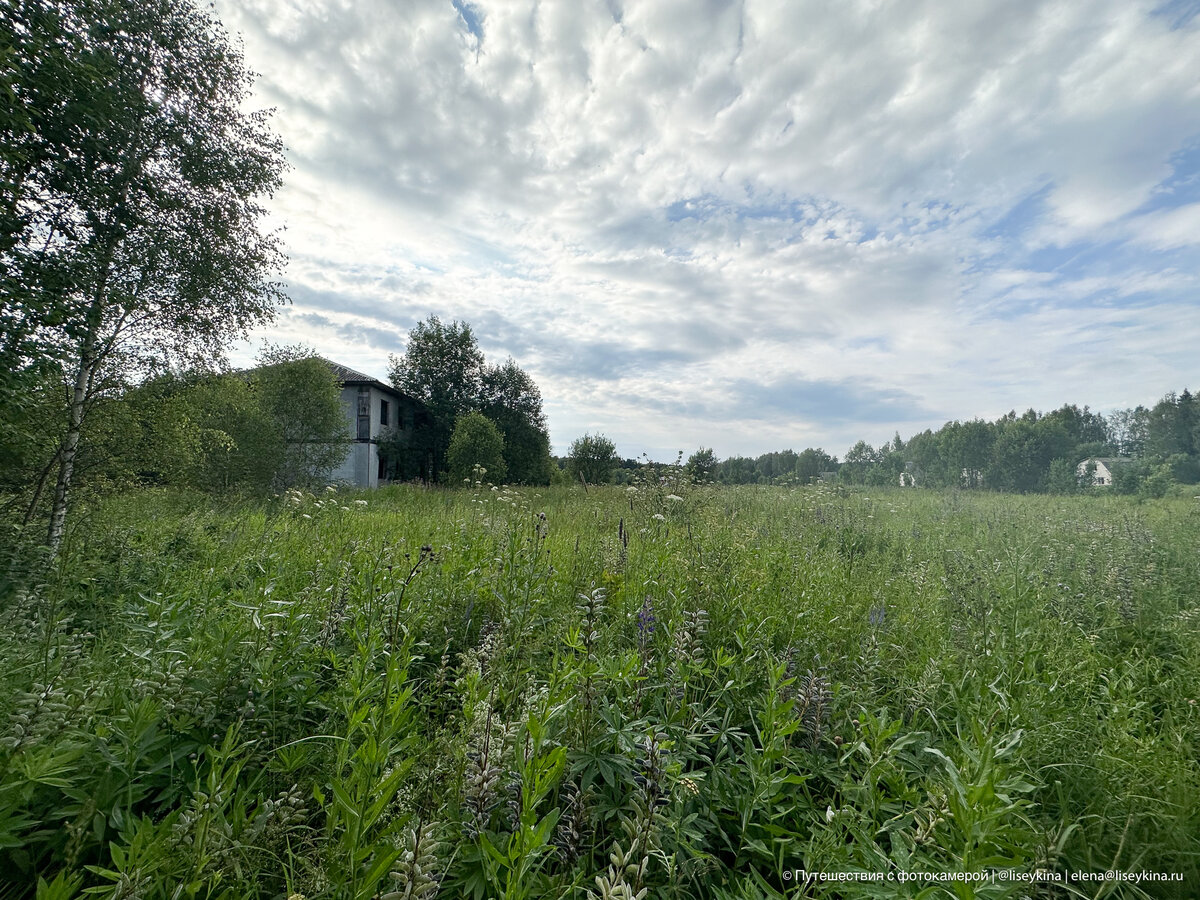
(364, 414)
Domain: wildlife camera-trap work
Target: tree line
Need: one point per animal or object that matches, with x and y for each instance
(1147, 448)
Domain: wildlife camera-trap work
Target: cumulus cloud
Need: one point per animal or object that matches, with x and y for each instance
(748, 225)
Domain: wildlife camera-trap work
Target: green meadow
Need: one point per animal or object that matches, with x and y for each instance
(661, 690)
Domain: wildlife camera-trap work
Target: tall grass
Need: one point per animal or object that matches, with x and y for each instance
(665, 691)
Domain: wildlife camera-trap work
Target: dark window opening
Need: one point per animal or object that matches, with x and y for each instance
(364, 414)
(383, 412)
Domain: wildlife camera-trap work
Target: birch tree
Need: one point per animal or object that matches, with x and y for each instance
(132, 197)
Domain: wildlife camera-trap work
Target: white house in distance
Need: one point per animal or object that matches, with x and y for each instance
(372, 407)
(1103, 474)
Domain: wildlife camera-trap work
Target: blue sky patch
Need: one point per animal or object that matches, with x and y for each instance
(471, 17)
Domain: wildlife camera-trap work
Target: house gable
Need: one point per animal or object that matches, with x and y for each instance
(1102, 475)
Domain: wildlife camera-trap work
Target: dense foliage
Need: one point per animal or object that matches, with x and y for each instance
(591, 459)
(443, 367)
(279, 425)
(476, 450)
(782, 467)
(554, 693)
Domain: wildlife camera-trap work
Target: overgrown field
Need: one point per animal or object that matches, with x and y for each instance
(665, 691)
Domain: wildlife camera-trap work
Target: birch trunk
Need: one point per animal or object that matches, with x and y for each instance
(89, 361)
(66, 465)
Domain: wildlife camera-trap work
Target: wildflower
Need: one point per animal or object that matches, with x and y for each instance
(572, 827)
(688, 639)
(651, 772)
(645, 622)
(877, 615)
(360, 502)
(813, 699)
(482, 779)
(659, 516)
(674, 498)
(417, 875)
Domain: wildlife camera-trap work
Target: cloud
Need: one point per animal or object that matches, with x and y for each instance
(1169, 229)
(841, 215)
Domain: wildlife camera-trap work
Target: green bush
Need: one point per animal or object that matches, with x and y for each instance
(592, 458)
(476, 442)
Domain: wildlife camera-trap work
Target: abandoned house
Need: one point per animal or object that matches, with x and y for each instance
(1101, 467)
(375, 411)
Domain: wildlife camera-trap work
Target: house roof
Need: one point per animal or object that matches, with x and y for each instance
(347, 375)
(1108, 461)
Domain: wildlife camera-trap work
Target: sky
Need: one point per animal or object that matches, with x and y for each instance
(746, 226)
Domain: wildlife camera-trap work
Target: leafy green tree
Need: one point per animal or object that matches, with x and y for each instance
(137, 238)
(476, 442)
(1023, 451)
(811, 463)
(511, 399)
(592, 458)
(860, 462)
(1062, 477)
(965, 451)
(702, 465)
(924, 452)
(443, 367)
(300, 401)
(1128, 478)
(1172, 426)
(1156, 483)
(277, 426)
(736, 470)
(1127, 430)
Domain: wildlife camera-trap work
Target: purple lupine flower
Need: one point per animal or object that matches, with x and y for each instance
(645, 622)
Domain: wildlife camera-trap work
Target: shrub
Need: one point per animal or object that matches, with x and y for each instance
(476, 441)
(593, 458)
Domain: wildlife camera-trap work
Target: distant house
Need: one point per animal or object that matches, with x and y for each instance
(908, 478)
(372, 410)
(1102, 473)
